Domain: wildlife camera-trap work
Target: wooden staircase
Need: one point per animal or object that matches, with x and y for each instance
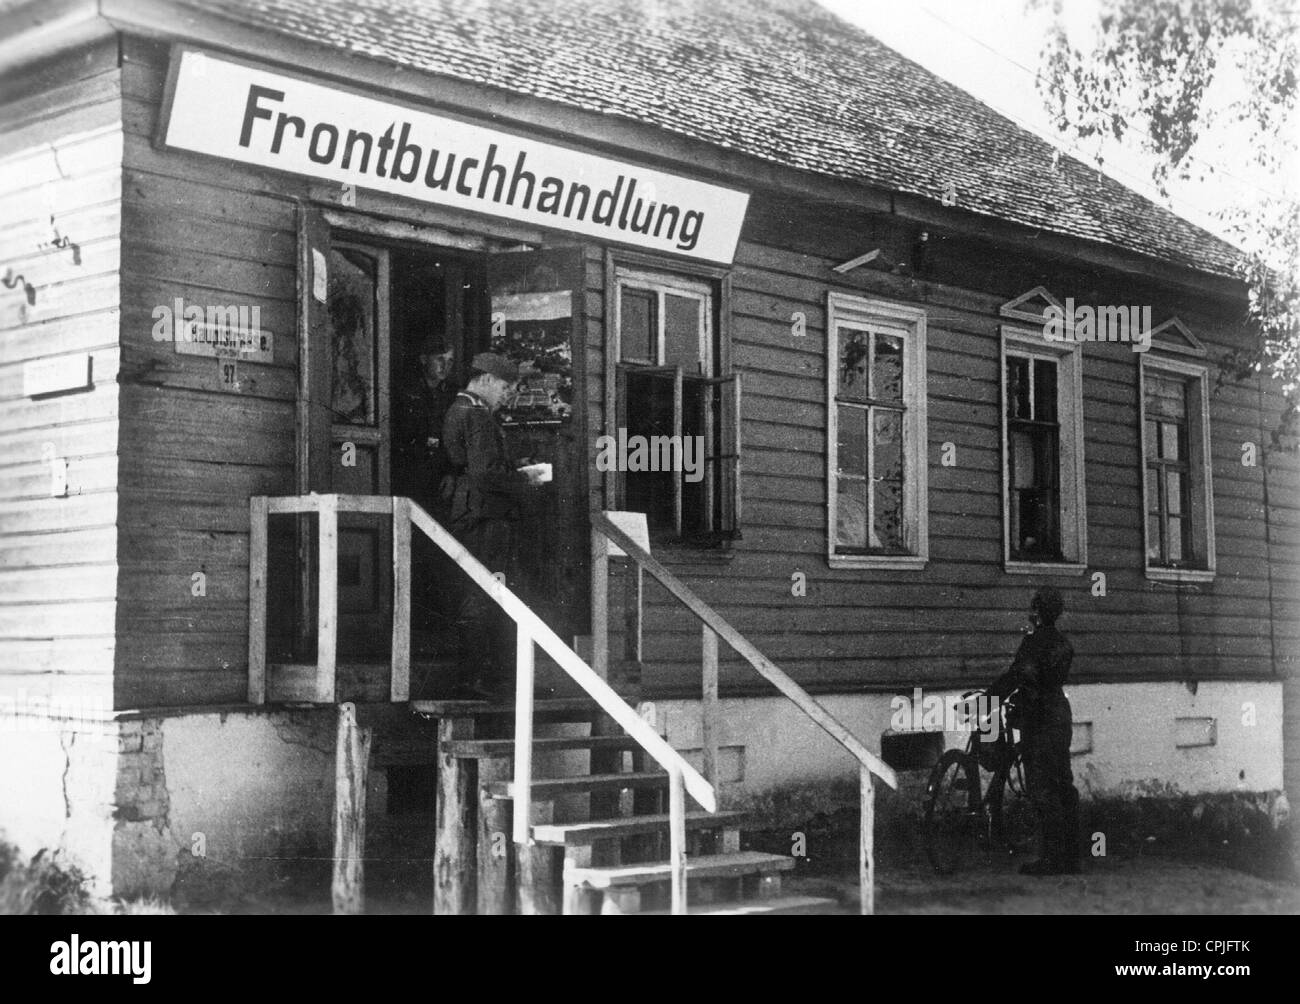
(600, 824)
(584, 840)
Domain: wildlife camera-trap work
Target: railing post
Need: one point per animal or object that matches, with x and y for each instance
(523, 736)
(866, 850)
(257, 531)
(400, 681)
(677, 837)
(599, 604)
(709, 705)
(351, 767)
(327, 620)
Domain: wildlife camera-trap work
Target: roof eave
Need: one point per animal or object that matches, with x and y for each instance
(37, 31)
(165, 21)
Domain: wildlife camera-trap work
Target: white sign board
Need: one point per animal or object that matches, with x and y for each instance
(56, 374)
(243, 112)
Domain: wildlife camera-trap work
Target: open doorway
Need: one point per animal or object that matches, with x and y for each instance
(379, 381)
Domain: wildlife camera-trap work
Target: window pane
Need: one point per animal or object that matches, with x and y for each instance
(1175, 492)
(1153, 489)
(1169, 441)
(1153, 441)
(1017, 387)
(887, 369)
(887, 527)
(1024, 468)
(1175, 539)
(638, 328)
(1044, 390)
(1165, 397)
(351, 306)
(650, 413)
(852, 435)
(1153, 536)
(682, 323)
(1034, 521)
(851, 514)
(854, 346)
(888, 445)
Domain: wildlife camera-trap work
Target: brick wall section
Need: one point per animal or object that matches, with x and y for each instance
(144, 848)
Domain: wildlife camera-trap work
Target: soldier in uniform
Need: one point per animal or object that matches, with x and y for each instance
(421, 409)
(482, 494)
(1037, 675)
(421, 464)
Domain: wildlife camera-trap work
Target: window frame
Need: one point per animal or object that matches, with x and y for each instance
(1071, 459)
(1200, 491)
(909, 324)
(712, 285)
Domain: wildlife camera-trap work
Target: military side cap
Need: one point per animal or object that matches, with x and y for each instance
(497, 366)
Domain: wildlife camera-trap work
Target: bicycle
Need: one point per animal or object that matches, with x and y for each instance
(960, 810)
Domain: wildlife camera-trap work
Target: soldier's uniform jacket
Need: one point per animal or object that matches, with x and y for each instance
(420, 415)
(1039, 670)
(483, 483)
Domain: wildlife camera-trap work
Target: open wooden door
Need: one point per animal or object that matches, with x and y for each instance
(537, 320)
(344, 427)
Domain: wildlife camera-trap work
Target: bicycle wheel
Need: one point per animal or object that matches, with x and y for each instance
(952, 810)
(1014, 822)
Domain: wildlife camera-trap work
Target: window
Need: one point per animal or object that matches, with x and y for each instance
(1044, 503)
(1177, 494)
(676, 405)
(876, 473)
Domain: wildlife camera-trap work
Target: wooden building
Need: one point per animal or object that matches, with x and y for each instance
(745, 222)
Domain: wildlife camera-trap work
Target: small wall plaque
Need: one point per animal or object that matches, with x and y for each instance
(57, 375)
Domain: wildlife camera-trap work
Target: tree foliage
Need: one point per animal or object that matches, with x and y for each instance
(1143, 77)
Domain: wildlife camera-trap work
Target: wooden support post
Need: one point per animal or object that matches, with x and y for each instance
(677, 837)
(599, 605)
(867, 857)
(456, 828)
(400, 681)
(495, 850)
(536, 866)
(328, 601)
(257, 533)
(523, 827)
(351, 767)
(709, 706)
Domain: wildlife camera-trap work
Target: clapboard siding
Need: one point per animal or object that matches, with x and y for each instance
(60, 210)
(192, 452)
(209, 233)
(884, 629)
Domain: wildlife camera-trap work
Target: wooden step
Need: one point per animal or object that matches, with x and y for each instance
(475, 749)
(776, 905)
(625, 826)
(549, 787)
(698, 867)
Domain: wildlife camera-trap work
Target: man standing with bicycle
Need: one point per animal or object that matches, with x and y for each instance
(1037, 675)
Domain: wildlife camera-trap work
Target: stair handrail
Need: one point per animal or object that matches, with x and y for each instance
(682, 777)
(868, 763)
(537, 630)
(747, 650)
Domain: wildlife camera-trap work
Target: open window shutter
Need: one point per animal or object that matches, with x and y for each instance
(728, 461)
(677, 433)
